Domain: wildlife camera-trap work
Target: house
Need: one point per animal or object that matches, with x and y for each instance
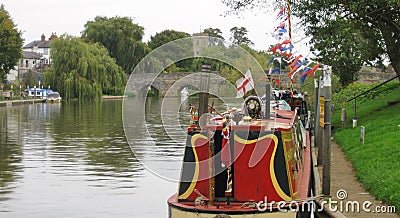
(30, 62)
(42, 47)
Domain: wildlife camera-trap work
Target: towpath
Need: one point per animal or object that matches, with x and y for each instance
(345, 183)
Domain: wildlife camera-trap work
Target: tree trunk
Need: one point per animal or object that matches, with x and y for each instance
(391, 36)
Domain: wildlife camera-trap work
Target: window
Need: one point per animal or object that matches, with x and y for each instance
(46, 51)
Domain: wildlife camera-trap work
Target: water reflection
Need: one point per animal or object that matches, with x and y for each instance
(73, 160)
(58, 151)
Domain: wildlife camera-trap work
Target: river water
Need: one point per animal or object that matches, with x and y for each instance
(73, 159)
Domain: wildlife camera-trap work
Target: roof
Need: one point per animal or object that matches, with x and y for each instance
(39, 44)
(31, 55)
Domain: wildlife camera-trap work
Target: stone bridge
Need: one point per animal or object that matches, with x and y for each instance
(171, 84)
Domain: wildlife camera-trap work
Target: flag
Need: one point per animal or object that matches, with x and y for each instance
(270, 61)
(295, 60)
(296, 67)
(287, 48)
(276, 70)
(276, 47)
(312, 71)
(306, 71)
(244, 84)
(303, 78)
(282, 30)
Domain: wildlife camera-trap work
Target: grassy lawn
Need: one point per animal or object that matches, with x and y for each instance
(377, 162)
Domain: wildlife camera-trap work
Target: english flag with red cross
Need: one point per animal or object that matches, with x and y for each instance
(244, 84)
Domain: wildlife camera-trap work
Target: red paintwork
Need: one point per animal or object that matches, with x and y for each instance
(252, 182)
(202, 154)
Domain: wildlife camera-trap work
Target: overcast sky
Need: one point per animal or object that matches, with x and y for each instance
(69, 16)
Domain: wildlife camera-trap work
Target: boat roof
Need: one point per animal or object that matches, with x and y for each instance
(280, 119)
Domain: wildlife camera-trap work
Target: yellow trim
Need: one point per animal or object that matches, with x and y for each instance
(189, 191)
(245, 141)
(272, 171)
(288, 137)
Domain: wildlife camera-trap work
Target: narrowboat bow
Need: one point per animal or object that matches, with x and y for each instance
(245, 165)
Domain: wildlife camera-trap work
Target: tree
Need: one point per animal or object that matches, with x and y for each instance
(239, 36)
(347, 33)
(216, 33)
(121, 37)
(10, 43)
(165, 37)
(370, 32)
(83, 70)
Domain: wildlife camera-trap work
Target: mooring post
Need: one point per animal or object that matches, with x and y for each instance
(267, 101)
(326, 168)
(343, 117)
(362, 135)
(320, 131)
(316, 110)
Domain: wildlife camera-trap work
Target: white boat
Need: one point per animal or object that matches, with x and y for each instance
(53, 97)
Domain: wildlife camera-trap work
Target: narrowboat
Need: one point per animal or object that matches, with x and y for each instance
(249, 162)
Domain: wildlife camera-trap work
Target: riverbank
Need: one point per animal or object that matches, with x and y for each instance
(111, 97)
(32, 101)
(19, 102)
(350, 197)
(375, 163)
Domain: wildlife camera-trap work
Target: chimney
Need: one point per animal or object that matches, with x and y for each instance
(53, 36)
(43, 38)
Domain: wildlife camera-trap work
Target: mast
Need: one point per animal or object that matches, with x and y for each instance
(204, 89)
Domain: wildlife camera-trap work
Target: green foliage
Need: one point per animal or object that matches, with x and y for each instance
(121, 37)
(164, 37)
(83, 70)
(30, 79)
(167, 53)
(309, 85)
(340, 98)
(346, 34)
(376, 162)
(351, 33)
(214, 33)
(239, 36)
(10, 43)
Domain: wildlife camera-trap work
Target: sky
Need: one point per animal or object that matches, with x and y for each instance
(35, 18)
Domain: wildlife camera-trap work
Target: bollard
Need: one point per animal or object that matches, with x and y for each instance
(354, 122)
(343, 117)
(362, 135)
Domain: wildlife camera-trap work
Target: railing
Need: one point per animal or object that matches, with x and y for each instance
(375, 87)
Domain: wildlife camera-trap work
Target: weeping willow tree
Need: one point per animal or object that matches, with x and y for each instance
(83, 70)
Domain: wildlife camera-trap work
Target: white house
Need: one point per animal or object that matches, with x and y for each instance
(41, 47)
(30, 62)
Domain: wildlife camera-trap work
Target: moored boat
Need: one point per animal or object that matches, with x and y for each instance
(53, 97)
(251, 164)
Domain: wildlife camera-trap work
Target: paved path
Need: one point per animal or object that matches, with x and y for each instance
(343, 178)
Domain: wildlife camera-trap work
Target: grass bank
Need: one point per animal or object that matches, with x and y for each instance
(377, 162)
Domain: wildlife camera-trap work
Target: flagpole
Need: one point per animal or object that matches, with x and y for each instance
(290, 37)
